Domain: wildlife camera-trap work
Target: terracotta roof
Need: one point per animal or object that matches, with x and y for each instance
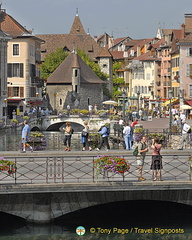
(63, 73)
(145, 57)
(117, 54)
(70, 41)
(105, 53)
(11, 26)
(187, 39)
(77, 27)
(177, 33)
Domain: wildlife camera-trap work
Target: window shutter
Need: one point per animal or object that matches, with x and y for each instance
(9, 70)
(187, 70)
(21, 69)
(9, 91)
(21, 91)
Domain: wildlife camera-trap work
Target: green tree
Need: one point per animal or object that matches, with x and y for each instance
(117, 82)
(52, 61)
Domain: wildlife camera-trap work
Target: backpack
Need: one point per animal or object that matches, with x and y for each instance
(108, 131)
(135, 151)
(72, 131)
(189, 131)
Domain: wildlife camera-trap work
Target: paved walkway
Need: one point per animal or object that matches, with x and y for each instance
(157, 125)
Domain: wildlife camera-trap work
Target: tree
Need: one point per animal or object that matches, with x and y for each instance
(117, 82)
(52, 61)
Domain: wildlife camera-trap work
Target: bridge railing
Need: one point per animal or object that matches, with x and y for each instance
(80, 169)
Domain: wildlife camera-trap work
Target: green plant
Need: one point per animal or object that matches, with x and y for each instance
(84, 112)
(139, 130)
(14, 121)
(1, 121)
(6, 165)
(111, 164)
(25, 117)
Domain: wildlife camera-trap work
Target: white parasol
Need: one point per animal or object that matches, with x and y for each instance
(185, 107)
(110, 102)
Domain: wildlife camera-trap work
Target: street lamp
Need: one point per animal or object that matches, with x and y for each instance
(170, 95)
(37, 95)
(5, 101)
(138, 94)
(123, 95)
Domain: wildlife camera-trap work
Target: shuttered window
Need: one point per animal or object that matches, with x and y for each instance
(15, 70)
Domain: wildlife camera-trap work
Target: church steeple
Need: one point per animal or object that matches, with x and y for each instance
(77, 27)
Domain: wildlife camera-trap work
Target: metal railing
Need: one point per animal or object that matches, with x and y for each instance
(81, 169)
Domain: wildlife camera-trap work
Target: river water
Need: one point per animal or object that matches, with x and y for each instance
(143, 220)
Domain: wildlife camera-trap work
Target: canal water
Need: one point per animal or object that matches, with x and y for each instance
(130, 220)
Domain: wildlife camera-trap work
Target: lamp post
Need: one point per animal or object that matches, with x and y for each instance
(138, 95)
(5, 101)
(123, 95)
(37, 95)
(170, 95)
(55, 94)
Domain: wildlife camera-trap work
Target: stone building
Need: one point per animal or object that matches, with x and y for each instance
(74, 83)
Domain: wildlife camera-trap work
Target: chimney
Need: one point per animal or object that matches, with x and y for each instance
(182, 31)
(138, 51)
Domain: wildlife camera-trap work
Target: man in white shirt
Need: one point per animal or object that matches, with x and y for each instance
(127, 136)
(185, 134)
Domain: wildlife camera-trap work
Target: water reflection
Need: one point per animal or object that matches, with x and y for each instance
(161, 218)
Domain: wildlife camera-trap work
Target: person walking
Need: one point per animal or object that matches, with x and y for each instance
(103, 131)
(67, 138)
(85, 137)
(142, 150)
(185, 134)
(127, 136)
(156, 164)
(25, 137)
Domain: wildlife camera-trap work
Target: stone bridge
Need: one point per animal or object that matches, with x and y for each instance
(43, 203)
(53, 123)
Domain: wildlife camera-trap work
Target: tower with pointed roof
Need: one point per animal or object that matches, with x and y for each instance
(75, 84)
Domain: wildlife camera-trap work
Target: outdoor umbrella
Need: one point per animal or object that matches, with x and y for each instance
(110, 102)
(185, 107)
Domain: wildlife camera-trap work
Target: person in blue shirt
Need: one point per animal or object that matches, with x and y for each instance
(104, 137)
(25, 136)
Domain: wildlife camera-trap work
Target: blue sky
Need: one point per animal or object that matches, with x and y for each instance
(134, 18)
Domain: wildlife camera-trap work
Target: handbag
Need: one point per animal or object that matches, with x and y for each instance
(84, 134)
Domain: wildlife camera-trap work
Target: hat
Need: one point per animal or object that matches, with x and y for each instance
(101, 124)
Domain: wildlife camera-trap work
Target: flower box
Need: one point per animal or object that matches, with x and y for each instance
(6, 165)
(111, 165)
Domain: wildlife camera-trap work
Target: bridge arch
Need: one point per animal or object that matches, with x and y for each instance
(56, 126)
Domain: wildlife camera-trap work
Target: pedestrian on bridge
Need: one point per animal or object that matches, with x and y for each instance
(85, 137)
(67, 139)
(142, 150)
(156, 164)
(104, 132)
(25, 136)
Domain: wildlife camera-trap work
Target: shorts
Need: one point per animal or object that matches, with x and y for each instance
(24, 140)
(140, 160)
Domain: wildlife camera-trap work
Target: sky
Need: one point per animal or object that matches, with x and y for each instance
(120, 18)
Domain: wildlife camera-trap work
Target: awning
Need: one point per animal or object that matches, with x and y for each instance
(174, 100)
(12, 100)
(189, 102)
(36, 102)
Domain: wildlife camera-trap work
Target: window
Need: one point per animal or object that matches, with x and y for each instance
(148, 76)
(15, 49)
(15, 91)
(190, 90)
(15, 70)
(189, 70)
(189, 52)
(32, 50)
(76, 73)
(60, 102)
